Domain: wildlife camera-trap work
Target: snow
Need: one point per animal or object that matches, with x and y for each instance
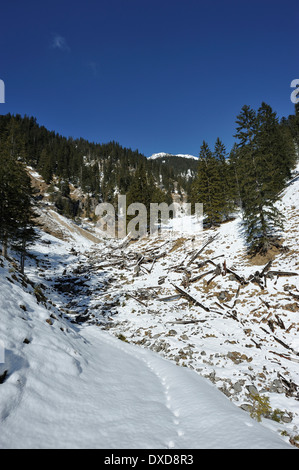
(155, 156)
(80, 388)
(72, 385)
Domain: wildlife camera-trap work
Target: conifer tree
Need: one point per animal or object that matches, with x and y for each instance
(25, 233)
(45, 166)
(8, 198)
(235, 176)
(16, 207)
(225, 186)
(262, 174)
(206, 188)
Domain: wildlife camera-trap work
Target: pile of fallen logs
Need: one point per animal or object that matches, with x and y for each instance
(142, 263)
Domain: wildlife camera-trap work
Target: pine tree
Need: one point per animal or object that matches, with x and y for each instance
(25, 233)
(262, 175)
(45, 166)
(207, 188)
(225, 186)
(8, 198)
(16, 208)
(235, 176)
(140, 190)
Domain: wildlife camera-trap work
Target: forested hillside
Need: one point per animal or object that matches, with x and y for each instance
(249, 177)
(99, 169)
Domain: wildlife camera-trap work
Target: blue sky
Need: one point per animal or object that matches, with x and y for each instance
(160, 76)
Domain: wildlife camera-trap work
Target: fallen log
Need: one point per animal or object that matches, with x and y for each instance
(284, 356)
(256, 344)
(216, 273)
(204, 263)
(170, 298)
(282, 343)
(255, 278)
(295, 296)
(186, 322)
(288, 384)
(137, 300)
(280, 273)
(197, 278)
(266, 268)
(240, 279)
(279, 322)
(190, 298)
(210, 240)
(264, 302)
(271, 325)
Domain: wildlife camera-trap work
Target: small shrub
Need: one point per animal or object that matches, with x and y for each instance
(40, 297)
(260, 407)
(277, 415)
(122, 338)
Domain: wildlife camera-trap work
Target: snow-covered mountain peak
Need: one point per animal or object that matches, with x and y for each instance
(156, 156)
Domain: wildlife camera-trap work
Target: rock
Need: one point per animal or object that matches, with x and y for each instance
(136, 270)
(225, 391)
(172, 333)
(82, 318)
(252, 389)
(3, 377)
(223, 295)
(238, 386)
(276, 387)
(286, 419)
(246, 407)
(237, 357)
(184, 337)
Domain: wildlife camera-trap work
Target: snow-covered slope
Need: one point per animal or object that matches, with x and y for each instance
(156, 156)
(71, 387)
(93, 344)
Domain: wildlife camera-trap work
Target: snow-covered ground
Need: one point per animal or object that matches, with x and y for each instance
(92, 344)
(77, 387)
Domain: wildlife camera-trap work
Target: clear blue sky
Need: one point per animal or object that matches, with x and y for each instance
(160, 76)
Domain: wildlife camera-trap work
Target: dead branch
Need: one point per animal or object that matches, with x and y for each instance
(279, 322)
(190, 298)
(170, 298)
(284, 356)
(240, 279)
(210, 240)
(197, 278)
(264, 302)
(285, 345)
(186, 322)
(280, 273)
(290, 386)
(137, 300)
(295, 296)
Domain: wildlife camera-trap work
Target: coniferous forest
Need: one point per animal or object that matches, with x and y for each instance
(248, 177)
